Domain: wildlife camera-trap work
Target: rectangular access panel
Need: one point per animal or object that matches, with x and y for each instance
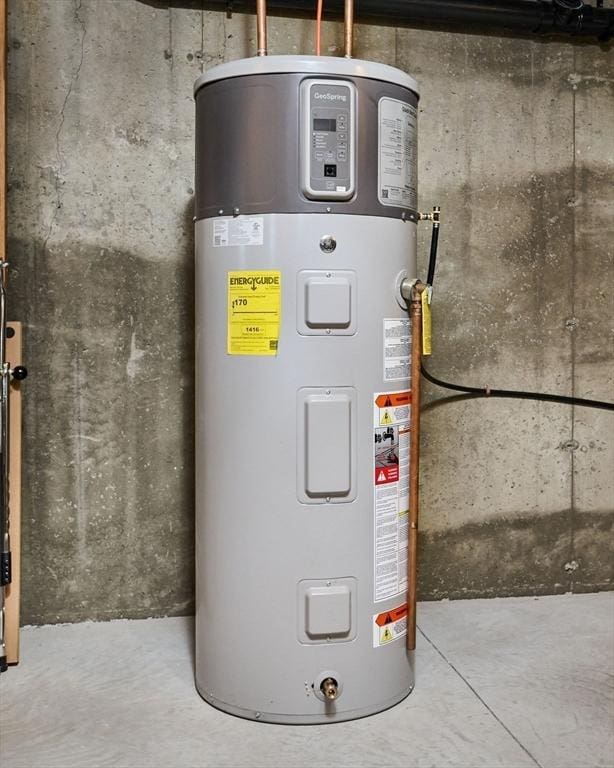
(327, 610)
(326, 302)
(326, 452)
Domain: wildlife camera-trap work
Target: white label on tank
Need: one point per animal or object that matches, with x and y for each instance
(389, 625)
(244, 230)
(391, 492)
(397, 154)
(397, 340)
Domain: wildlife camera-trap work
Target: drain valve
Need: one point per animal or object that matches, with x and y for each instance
(330, 688)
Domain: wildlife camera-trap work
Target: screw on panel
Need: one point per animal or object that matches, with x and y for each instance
(328, 330)
(221, 212)
(235, 211)
(328, 499)
(328, 209)
(258, 715)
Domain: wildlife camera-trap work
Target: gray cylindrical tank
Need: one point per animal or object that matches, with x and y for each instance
(305, 227)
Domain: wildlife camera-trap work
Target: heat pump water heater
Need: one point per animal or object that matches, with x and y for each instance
(305, 229)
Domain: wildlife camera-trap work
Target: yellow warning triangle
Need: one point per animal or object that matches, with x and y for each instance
(386, 418)
(386, 636)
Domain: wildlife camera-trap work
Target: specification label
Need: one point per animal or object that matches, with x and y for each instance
(397, 162)
(254, 311)
(244, 230)
(397, 339)
(391, 492)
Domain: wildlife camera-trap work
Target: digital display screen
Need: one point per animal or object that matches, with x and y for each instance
(324, 124)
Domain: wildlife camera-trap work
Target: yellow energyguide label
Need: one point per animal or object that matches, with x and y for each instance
(426, 323)
(254, 312)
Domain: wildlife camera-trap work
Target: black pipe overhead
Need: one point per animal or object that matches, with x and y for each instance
(540, 17)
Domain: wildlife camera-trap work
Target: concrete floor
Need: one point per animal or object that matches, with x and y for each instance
(515, 682)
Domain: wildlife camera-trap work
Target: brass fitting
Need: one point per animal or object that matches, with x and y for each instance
(330, 688)
(434, 216)
(411, 289)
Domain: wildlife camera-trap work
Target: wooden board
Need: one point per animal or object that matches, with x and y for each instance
(2, 129)
(12, 592)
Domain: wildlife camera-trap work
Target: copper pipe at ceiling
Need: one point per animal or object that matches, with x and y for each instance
(261, 21)
(319, 28)
(349, 28)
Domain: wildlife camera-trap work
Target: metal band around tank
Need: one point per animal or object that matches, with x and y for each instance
(247, 136)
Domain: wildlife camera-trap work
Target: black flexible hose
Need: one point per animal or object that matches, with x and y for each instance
(486, 391)
(433, 254)
(519, 394)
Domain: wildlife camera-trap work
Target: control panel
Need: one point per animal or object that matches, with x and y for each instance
(328, 138)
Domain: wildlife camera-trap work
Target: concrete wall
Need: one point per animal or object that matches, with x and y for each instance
(517, 147)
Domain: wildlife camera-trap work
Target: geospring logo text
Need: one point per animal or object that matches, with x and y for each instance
(330, 96)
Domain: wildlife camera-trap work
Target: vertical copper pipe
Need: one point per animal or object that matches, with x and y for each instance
(319, 27)
(415, 311)
(349, 28)
(261, 21)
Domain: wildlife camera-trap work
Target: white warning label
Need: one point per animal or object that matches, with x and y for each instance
(389, 625)
(398, 160)
(397, 340)
(244, 230)
(391, 492)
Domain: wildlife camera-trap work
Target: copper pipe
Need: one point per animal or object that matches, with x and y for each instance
(415, 311)
(261, 21)
(349, 28)
(319, 27)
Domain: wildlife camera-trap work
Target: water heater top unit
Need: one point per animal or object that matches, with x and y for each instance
(256, 126)
(305, 228)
